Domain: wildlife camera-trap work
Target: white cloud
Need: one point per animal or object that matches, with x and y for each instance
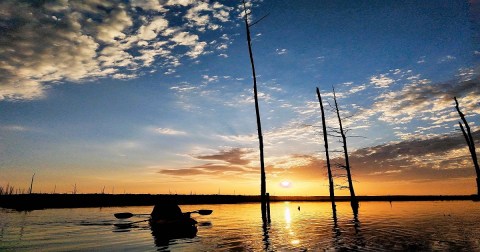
(86, 40)
(185, 87)
(381, 81)
(281, 51)
(151, 30)
(14, 128)
(148, 5)
(167, 131)
(420, 99)
(421, 60)
(210, 78)
(357, 89)
(113, 26)
(447, 58)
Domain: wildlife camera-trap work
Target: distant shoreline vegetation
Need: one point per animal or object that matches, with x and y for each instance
(44, 201)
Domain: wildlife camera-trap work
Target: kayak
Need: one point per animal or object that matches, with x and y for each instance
(182, 222)
(164, 230)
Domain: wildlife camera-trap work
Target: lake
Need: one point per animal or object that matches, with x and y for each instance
(426, 225)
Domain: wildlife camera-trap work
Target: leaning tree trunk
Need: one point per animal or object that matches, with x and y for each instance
(353, 198)
(325, 139)
(263, 187)
(471, 144)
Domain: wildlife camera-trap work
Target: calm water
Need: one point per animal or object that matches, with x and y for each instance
(452, 225)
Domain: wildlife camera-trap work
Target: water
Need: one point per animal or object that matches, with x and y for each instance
(440, 225)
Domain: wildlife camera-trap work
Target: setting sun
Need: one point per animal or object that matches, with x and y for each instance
(286, 184)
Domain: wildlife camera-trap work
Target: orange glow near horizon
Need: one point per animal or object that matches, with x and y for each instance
(275, 188)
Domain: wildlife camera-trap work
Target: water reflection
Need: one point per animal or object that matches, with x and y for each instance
(266, 237)
(164, 234)
(359, 240)
(293, 239)
(424, 226)
(336, 230)
(288, 217)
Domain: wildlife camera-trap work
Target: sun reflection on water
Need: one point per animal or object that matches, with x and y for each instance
(288, 217)
(288, 227)
(422, 226)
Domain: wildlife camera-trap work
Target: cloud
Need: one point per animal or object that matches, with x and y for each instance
(438, 157)
(420, 99)
(151, 30)
(418, 160)
(421, 160)
(281, 51)
(87, 40)
(167, 131)
(209, 79)
(184, 87)
(233, 162)
(447, 59)
(149, 5)
(17, 128)
(233, 156)
(211, 170)
(381, 81)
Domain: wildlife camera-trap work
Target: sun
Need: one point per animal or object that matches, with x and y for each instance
(286, 184)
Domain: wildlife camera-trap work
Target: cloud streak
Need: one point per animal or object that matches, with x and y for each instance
(420, 160)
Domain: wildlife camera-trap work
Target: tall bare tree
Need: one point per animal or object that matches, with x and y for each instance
(353, 198)
(467, 134)
(263, 183)
(325, 139)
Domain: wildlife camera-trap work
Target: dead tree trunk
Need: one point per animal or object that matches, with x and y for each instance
(353, 198)
(31, 185)
(330, 178)
(263, 186)
(467, 134)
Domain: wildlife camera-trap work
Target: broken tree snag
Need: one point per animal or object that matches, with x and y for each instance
(263, 186)
(353, 198)
(325, 139)
(467, 134)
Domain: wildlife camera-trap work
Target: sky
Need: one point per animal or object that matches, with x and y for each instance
(156, 96)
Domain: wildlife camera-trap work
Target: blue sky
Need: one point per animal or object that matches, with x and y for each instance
(156, 96)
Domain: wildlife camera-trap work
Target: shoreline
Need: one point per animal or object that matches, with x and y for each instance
(25, 202)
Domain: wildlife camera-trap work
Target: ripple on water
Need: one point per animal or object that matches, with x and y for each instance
(378, 226)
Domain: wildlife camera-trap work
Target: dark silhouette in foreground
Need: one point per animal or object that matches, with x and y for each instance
(353, 197)
(167, 222)
(263, 183)
(470, 142)
(329, 170)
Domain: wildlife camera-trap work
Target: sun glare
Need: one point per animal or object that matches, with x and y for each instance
(286, 184)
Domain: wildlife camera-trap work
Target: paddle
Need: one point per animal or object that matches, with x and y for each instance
(202, 212)
(127, 225)
(127, 215)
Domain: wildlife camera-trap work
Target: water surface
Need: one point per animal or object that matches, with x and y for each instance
(437, 225)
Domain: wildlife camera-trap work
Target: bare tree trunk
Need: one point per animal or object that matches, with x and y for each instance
(263, 187)
(471, 144)
(353, 198)
(330, 178)
(31, 184)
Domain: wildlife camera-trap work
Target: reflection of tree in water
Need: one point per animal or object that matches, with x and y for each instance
(358, 238)
(266, 238)
(336, 231)
(348, 240)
